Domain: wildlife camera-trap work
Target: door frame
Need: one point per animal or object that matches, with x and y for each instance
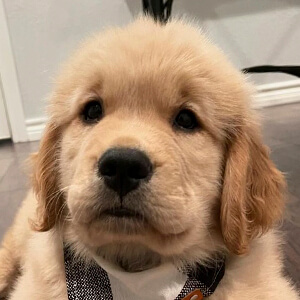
(10, 84)
(4, 127)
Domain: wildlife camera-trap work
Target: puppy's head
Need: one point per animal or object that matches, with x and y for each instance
(151, 141)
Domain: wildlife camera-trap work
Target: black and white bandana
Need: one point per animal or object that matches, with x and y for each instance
(95, 282)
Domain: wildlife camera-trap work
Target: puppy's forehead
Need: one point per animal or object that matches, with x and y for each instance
(145, 78)
(136, 63)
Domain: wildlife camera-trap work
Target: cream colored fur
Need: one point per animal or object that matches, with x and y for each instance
(214, 190)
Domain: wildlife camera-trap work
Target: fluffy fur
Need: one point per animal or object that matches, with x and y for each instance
(213, 191)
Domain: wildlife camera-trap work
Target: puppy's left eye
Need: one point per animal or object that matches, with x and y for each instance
(186, 119)
(92, 112)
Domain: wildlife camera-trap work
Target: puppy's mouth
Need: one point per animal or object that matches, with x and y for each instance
(121, 212)
(121, 220)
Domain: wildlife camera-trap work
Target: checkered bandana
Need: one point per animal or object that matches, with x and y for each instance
(92, 282)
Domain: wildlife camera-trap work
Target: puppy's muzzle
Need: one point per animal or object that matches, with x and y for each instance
(124, 169)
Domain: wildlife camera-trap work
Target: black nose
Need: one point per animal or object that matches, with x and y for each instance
(123, 169)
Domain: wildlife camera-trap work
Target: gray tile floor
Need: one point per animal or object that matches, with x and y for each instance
(281, 132)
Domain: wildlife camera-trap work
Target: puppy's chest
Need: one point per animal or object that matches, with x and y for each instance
(102, 280)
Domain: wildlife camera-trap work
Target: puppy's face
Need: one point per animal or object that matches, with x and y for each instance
(140, 160)
(140, 123)
(141, 166)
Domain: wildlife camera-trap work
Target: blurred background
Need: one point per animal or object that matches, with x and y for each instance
(36, 36)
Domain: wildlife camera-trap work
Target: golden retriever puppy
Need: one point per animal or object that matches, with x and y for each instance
(151, 168)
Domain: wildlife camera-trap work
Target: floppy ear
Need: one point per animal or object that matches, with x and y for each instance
(253, 191)
(45, 179)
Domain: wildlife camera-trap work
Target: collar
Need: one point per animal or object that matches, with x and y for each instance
(101, 280)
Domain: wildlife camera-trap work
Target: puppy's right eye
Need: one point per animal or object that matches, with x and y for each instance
(92, 112)
(186, 120)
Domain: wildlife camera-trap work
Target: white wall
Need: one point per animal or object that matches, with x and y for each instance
(250, 32)
(44, 32)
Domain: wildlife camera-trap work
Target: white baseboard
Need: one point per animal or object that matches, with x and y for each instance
(277, 94)
(267, 95)
(35, 128)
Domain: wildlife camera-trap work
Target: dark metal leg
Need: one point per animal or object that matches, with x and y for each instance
(160, 10)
